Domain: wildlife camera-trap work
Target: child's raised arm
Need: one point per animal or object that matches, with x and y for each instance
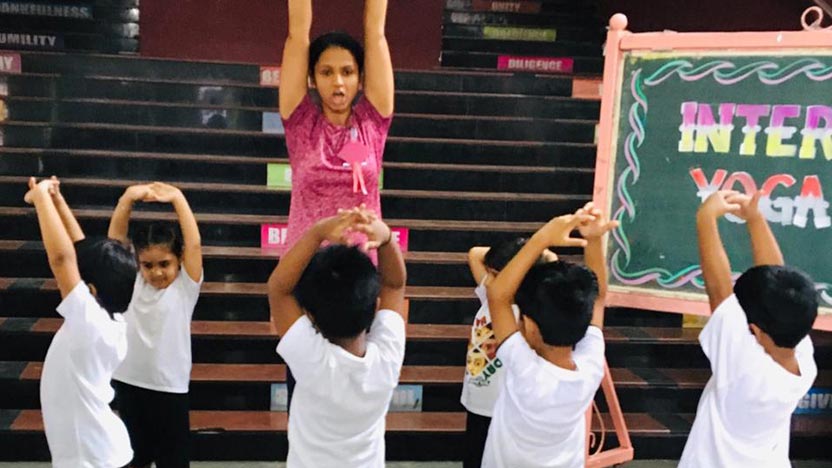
(502, 289)
(121, 215)
(379, 85)
(716, 268)
(284, 308)
(192, 254)
(70, 223)
(294, 70)
(764, 245)
(59, 248)
(476, 262)
(594, 231)
(391, 267)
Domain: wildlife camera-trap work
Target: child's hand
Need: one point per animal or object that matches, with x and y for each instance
(749, 206)
(44, 187)
(556, 232)
(336, 229)
(136, 193)
(163, 193)
(718, 204)
(598, 226)
(367, 222)
(55, 188)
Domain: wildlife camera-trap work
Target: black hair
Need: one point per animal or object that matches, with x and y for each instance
(559, 296)
(110, 266)
(781, 300)
(337, 39)
(339, 289)
(501, 252)
(158, 233)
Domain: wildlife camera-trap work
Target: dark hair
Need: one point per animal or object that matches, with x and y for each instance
(339, 289)
(158, 233)
(781, 300)
(559, 296)
(110, 266)
(337, 39)
(500, 253)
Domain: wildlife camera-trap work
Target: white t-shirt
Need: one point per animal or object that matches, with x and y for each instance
(159, 335)
(337, 417)
(81, 429)
(483, 370)
(540, 416)
(745, 412)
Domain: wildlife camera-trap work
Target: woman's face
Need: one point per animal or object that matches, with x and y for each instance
(337, 79)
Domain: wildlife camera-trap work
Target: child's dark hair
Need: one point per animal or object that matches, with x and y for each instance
(110, 266)
(158, 233)
(781, 300)
(338, 39)
(339, 289)
(500, 253)
(559, 296)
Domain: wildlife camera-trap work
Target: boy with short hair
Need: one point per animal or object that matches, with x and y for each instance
(757, 342)
(96, 285)
(553, 359)
(343, 336)
(483, 370)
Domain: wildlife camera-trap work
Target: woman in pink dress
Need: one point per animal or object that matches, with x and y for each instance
(335, 137)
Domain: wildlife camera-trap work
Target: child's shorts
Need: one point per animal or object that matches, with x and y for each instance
(158, 424)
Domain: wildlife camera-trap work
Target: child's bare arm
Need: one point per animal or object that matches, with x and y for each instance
(284, 308)
(393, 276)
(764, 245)
(70, 223)
(476, 262)
(121, 215)
(501, 290)
(594, 232)
(59, 248)
(192, 254)
(391, 266)
(716, 268)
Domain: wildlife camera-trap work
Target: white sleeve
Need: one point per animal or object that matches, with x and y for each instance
(516, 354)
(189, 286)
(303, 349)
(589, 352)
(726, 341)
(84, 317)
(189, 290)
(388, 333)
(74, 305)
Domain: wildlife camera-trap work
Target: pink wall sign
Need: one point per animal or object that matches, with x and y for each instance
(535, 64)
(273, 236)
(10, 63)
(401, 235)
(270, 76)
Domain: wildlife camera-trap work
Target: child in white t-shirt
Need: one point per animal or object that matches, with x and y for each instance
(152, 382)
(342, 335)
(483, 370)
(552, 358)
(757, 342)
(96, 283)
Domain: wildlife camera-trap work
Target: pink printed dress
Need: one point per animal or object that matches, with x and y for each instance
(321, 182)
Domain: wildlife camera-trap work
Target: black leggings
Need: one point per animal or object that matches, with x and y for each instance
(158, 424)
(476, 432)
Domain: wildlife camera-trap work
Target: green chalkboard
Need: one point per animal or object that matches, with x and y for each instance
(684, 124)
